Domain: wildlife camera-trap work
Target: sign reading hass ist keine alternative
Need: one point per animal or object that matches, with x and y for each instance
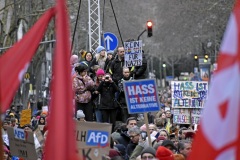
(141, 96)
(133, 53)
(189, 94)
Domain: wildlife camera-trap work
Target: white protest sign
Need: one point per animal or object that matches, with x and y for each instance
(133, 53)
(189, 94)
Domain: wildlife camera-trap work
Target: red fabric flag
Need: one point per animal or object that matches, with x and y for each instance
(60, 142)
(218, 137)
(15, 61)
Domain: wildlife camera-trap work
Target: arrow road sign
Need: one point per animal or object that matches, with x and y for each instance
(111, 41)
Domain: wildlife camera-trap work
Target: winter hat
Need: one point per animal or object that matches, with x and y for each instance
(80, 114)
(150, 150)
(100, 72)
(74, 59)
(164, 153)
(99, 49)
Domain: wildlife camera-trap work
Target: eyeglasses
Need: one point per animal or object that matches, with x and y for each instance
(132, 136)
(147, 157)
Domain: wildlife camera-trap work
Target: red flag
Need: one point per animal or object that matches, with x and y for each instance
(61, 143)
(15, 61)
(218, 137)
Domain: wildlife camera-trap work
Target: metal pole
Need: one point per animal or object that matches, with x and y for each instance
(141, 34)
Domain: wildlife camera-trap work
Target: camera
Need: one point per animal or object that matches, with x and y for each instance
(143, 135)
(107, 77)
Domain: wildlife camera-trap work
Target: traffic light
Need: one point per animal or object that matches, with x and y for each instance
(195, 57)
(206, 56)
(149, 28)
(164, 65)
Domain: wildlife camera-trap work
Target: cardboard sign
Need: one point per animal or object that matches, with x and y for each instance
(22, 143)
(93, 139)
(189, 94)
(39, 136)
(141, 96)
(25, 117)
(183, 116)
(133, 53)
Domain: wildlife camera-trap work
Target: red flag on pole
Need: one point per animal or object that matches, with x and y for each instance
(15, 61)
(218, 137)
(61, 143)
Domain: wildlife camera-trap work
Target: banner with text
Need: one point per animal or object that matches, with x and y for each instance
(187, 115)
(133, 53)
(141, 96)
(93, 139)
(21, 143)
(189, 94)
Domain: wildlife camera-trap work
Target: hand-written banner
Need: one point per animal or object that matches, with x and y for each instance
(133, 53)
(183, 115)
(189, 94)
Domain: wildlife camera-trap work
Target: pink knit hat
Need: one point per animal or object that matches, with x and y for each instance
(100, 72)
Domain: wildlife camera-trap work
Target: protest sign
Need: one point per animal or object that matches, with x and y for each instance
(93, 139)
(189, 94)
(21, 143)
(25, 117)
(133, 53)
(141, 96)
(187, 115)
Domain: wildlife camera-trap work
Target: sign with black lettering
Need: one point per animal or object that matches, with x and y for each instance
(21, 143)
(93, 139)
(133, 53)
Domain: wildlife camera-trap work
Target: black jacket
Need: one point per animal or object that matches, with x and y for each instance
(107, 91)
(116, 69)
(139, 71)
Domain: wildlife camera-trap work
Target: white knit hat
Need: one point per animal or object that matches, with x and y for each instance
(80, 114)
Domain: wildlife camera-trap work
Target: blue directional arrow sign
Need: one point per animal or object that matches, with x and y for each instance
(111, 41)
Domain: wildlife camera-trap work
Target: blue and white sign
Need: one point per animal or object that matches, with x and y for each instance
(110, 41)
(141, 96)
(19, 133)
(97, 138)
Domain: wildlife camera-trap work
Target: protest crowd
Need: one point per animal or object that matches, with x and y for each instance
(97, 82)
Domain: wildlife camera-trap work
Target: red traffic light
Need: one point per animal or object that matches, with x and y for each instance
(149, 24)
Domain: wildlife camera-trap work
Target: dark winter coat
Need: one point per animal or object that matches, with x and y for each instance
(116, 69)
(107, 91)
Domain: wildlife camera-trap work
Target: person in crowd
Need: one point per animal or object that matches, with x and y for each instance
(169, 145)
(96, 96)
(5, 124)
(100, 58)
(138, 72)
(121, 95)
(134, 135)
(73, 61)
(42, 123)
(181, 133)
(184, 148)
(88, 58)
(164, 133)
(110, 58)
(179, 157)
(82, 86)
(6, 153)
(80, 116)
(160, 123)
(107, 88)
(148, 153)
(124, 137)
(116, 68)
(163, 153)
